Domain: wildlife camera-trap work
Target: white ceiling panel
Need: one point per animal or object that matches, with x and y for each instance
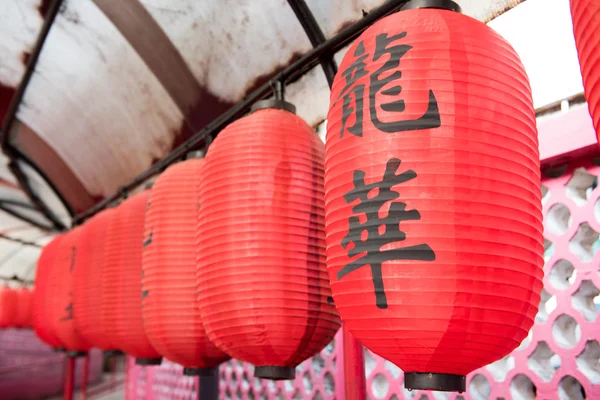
(20, 23)
(94, 101)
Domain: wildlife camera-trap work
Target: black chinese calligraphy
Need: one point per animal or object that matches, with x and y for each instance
(351, 74)
(68, 313)
(376, 232)
(378, 83)
(69, 308)
(384, 83)
(73, 257)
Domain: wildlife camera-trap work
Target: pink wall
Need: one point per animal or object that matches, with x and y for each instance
(29, 369)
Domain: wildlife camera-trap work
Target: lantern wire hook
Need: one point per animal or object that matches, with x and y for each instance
(278, 100)
(278, 89)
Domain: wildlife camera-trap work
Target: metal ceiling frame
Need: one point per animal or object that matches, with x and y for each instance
(315, 35)
(14, 154)
(322, 53)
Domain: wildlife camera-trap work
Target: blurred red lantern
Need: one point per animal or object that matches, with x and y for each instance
(24, 302)
(170, 305)
(261, 276)
(8, 307)
(88, 305)
(586, 26)
(122, 280)
(40, 310)
(59, 293)
(432, 195)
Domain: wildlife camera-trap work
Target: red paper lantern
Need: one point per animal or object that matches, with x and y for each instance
(24, 302)
(88, 305)
(262, 283)
(122, 283)
(586, 26)
(40, 312)
(432, 196)
(170, 306)
(8, 307)
(59, 293)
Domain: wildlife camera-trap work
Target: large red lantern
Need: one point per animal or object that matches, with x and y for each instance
(122, 281)
(432, 195)
(59, 294)
(41, 315)
(170, 305)
(262, 283)
(586, 26)
(24, 302)
(8, 307)
(88, 305)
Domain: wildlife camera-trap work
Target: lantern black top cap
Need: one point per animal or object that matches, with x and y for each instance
(277, 101)
(441, 4)
(274, 103)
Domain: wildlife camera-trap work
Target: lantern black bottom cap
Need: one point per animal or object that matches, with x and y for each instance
(433, 381)
(111, 353)
(200, 371)
(75, 354)
(148, 361)
(275, 373)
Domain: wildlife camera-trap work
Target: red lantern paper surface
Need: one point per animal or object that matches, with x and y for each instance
(24, 302)
(88, 305)
(41, 314)
(8, 307)
(170, 305)
(122, 275)
(586, 26)
(60, 291)
(262, 282)
(432, 193)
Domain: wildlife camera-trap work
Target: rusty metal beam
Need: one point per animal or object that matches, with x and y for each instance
(293, 72)
(157, 51)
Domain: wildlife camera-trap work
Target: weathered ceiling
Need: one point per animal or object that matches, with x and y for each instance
(119, 83)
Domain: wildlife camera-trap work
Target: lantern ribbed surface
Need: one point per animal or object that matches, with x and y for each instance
(60, 292)
(122, 276)
(170, 305)
(586, 27)
(41, 314)
(88, 305)
(24, 302)
(261, 276)
(432, 193)
(8, 307)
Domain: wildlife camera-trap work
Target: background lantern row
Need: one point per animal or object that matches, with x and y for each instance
(15, 307)
(146, 276)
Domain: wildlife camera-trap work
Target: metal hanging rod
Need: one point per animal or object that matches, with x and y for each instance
(290, 74)
(15, 278)
(20, 241)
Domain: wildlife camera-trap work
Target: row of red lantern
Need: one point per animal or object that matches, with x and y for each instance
(189, 288)
(15, 307)
(427, 201)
